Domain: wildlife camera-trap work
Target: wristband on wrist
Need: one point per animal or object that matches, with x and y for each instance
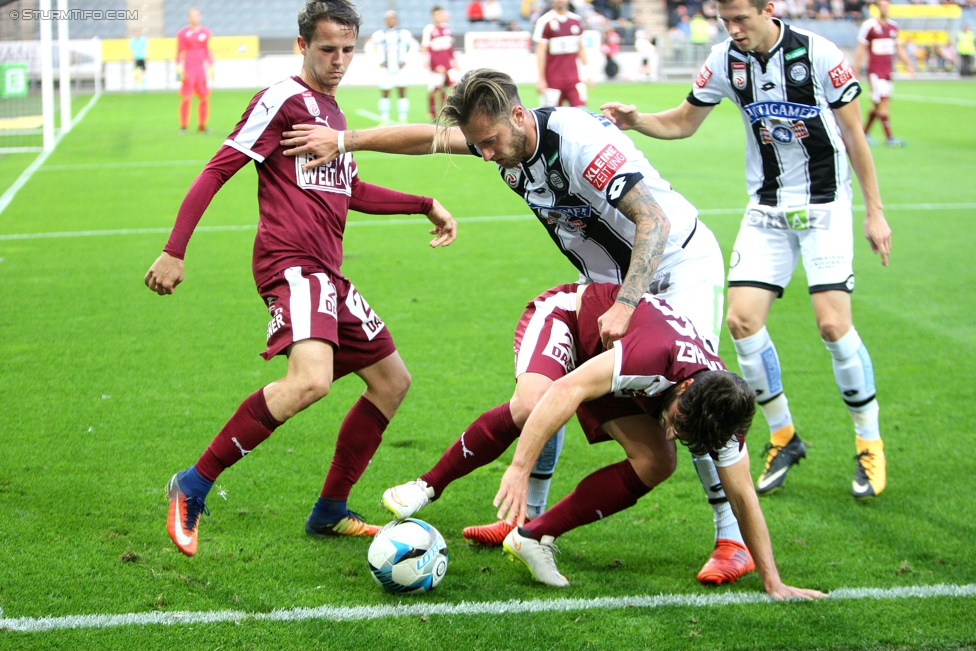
(342, 143)
(626, 301)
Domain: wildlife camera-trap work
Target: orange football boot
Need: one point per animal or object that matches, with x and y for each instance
(728, 562)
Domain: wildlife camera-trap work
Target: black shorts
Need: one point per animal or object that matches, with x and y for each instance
(141, 64)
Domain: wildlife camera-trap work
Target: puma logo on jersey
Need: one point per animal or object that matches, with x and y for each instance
(267, 109)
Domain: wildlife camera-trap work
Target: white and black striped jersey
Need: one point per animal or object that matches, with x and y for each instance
(392, 47)
(794, 153)
(582, 166)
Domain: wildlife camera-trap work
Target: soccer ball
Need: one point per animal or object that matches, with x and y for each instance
(408, 557)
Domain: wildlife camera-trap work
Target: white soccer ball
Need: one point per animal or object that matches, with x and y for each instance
(408, 557)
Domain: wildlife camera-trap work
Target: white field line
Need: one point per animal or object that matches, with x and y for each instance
(937, 100)
(26, 175)
(417, 220)
(354, 613)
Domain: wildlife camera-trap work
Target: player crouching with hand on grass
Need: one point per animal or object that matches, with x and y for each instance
(656, 384)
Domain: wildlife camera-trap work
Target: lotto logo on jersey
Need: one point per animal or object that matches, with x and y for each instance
(603, 166)
(841, 74)
(333, 177)
(703, 76)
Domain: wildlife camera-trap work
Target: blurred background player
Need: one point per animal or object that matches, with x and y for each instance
(966, 49)
(138, 45)
(558, 38)
(437, 44)
(799, 182)
(393, 46)
(318, 319)
(193, 67)
(877, 41)
(650, 67)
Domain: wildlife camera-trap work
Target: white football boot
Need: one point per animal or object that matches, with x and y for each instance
(406, 499)
(537, 555)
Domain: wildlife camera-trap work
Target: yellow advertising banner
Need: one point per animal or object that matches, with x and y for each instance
(923, 37)
(161, 49)
(920, 11)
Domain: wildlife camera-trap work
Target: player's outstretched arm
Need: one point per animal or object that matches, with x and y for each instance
(409, 139)
(737, 483)
(679, 122)
(876, 227)
(650, 239)
(164, 274)
(588, 382)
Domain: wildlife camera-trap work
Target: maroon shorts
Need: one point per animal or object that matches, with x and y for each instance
(550, 341)
(306, 304)
(568, 93)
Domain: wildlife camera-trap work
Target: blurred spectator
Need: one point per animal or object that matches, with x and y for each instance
(476, 11)
(493, 11)
(679, 12)
(610, 48)
(780, 8)
(966, 48)
(700, 36)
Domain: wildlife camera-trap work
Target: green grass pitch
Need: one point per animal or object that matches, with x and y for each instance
(107, 389)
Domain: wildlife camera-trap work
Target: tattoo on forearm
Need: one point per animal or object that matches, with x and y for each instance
(352, 140)
(650, 239)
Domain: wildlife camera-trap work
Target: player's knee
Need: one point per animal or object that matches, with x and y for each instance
(832, 328)
(311, 390)
(741, 324)
(398, 385)
(656, 468)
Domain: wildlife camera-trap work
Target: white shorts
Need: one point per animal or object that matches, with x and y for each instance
(441, 79)
(880, 88)
(390, 79)
(772, 240)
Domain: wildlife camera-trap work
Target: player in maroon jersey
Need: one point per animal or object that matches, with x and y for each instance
(193, 63)
(558, 36)
(437, 44)
(318, 319)
(878, 43)
(669, 386)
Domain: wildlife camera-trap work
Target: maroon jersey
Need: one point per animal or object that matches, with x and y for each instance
(563, 36)
(302, 213)
(439, 41)
(882, 41)
(661, 347)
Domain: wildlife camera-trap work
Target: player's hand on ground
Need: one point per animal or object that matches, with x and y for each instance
(614, 323)
(623, 115)
(165, 274)
(512, 495)
(878, 232)
(321, 142)
(783, 591)
(445, 228)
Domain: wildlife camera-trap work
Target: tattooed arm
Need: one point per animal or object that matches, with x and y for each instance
(653, 228)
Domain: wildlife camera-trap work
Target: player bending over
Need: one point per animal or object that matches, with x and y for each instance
(682, 391)
(318, 319)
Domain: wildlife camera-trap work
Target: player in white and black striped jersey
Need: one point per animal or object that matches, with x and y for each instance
(798, 98)
(393, 47)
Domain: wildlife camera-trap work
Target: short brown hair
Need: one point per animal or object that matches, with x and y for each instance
(480, 92)
(758, 4)
(714, 408)
(340, 12)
